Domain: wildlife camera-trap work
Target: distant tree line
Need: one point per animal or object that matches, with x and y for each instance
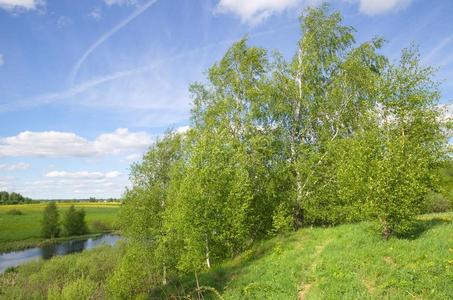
(13, 198)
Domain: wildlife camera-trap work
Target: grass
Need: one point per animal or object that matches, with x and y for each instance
(76, 276)
(22, 231)
(345, 262)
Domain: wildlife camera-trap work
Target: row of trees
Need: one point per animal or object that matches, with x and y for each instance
(13, 198)
(337, 134)
(73, 222)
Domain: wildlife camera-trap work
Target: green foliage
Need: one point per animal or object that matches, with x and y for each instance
(77, 276)
(342, 262)
(337, 134)
(50, 226)
(13, 198)
(74, 222)
(99, 226)
(437, 202)
(133, 276)
(80, 289)
(282, 222)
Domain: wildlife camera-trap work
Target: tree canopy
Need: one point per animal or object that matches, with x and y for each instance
(336, 134)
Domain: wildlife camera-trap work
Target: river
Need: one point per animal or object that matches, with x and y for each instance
(16, 258)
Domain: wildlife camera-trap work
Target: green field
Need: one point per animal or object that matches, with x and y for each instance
(20, 231)
(344, 262)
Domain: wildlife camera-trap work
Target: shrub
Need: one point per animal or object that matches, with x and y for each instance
(436, 202)
(61, 276)
(14, 212)
(50, 222)
(98, 226)
(79, 289)
(132, 276)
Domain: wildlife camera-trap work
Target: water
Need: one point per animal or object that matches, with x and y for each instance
(16, 258)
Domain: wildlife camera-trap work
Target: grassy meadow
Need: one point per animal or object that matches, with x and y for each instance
(21, 231)
(345, 262)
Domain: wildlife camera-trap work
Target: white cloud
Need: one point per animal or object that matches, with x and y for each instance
(67, 144)
(375, 7)
(20, 4)
(14, 167)
(71, 185)
(2, 60)
(121, 140)
(255, 11)
(82, 175)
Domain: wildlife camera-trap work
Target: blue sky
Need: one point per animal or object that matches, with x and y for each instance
(87, 85)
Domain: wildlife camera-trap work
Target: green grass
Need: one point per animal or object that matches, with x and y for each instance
(86, 272)
(22, 231)
(345, 262)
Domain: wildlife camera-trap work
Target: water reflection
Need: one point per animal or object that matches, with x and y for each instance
(16, 258)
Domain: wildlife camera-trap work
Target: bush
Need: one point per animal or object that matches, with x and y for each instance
(133, 276)
(79, 289)
(14, 212)
(62, 276)
(436, 202)
(50, 221)
(74, 222)
(99, 226)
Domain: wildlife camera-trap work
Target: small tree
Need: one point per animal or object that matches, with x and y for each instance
(74, 222)
(50, 221)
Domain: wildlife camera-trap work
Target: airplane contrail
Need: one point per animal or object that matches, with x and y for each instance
(105, 37)
(89, 84)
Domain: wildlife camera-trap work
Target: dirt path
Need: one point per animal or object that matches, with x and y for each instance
(305, 286)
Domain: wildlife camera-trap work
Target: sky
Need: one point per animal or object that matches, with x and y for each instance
(86, 86)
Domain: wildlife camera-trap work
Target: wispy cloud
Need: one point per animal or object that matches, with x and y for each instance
(14, 167)
(63, 21)
(120, 2)
(434, 53)
(80, 88)
(106, 36)
(95, 14)
(2, 60)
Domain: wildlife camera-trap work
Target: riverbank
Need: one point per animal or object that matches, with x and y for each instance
(11, 260)
(23, 231)
(349, 261)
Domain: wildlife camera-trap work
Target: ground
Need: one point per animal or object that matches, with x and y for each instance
(344, 262)
(350, 261)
